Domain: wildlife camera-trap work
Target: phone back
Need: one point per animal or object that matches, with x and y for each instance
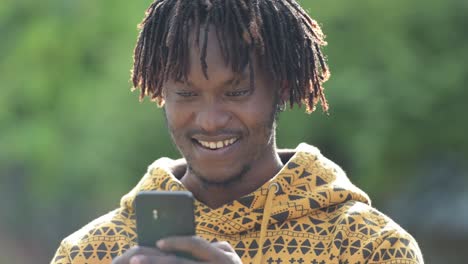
(161, 214)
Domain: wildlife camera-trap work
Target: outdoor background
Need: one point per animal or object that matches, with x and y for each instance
(74, 139)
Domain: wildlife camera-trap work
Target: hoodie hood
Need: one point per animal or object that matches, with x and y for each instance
(308, 213)
(308, 182)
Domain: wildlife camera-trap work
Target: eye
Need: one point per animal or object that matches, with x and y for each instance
(238, 93)
(186, 93)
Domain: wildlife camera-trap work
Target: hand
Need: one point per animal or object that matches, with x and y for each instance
(136, 254)
(218, 252)
(200, 249)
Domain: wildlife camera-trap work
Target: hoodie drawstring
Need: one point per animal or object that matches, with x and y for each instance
(266, 217)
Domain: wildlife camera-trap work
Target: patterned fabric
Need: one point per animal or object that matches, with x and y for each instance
(315, 216)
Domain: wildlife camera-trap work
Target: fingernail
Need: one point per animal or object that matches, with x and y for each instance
(136, 259)
(160, 243)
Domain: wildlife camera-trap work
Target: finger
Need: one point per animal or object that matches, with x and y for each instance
(196, 246)
(137, 250)
(138, 259)
(169, 259)
(223, 245)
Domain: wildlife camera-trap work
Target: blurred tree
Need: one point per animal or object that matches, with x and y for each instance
(73, 138)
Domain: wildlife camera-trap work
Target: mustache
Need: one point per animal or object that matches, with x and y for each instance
(221, 132)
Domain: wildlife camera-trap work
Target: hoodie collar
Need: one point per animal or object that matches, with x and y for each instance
(307, 183)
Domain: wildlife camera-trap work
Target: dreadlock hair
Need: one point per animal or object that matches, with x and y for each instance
(279, 32)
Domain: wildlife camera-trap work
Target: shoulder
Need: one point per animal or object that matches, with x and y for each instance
(99, 241)
(365, 231)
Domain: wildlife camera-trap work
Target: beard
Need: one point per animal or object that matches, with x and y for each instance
(224, 183)
(268, 128)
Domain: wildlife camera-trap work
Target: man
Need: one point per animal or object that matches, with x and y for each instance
(222, 70)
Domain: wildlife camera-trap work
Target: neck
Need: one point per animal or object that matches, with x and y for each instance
(217, 195)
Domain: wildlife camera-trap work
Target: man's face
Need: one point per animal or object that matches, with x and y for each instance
(221, 125)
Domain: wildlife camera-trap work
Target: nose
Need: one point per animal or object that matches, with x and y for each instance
(212, 117)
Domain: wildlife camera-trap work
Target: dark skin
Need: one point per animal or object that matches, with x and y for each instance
(225, 130)
(221, 108)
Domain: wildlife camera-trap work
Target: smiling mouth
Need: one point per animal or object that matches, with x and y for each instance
(215, 145)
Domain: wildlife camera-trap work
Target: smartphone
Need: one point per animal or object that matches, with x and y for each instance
(161, 214)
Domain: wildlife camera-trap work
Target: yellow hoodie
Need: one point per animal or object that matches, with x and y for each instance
(309, 213)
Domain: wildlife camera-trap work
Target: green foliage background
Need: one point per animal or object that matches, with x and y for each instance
(73, 138)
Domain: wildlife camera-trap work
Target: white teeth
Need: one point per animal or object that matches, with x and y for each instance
(217, 144)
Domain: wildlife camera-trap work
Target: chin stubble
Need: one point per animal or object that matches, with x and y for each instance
(236, 178)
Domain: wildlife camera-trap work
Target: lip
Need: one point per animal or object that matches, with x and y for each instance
(215, 154)
(214, 138)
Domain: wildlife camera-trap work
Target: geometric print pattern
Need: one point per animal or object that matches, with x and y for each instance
(100, 241)
(317, 216)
